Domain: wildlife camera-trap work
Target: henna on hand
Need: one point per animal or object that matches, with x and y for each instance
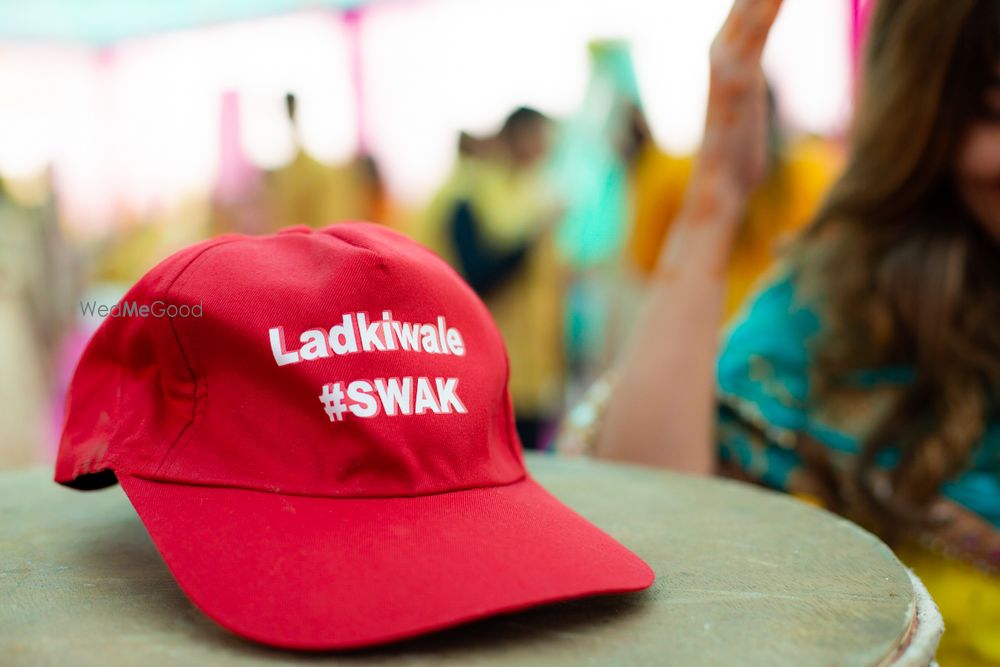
(733, 155)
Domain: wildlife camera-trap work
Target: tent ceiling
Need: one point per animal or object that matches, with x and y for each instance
(100, 22)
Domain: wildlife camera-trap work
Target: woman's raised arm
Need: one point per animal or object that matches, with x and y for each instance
(661, 411)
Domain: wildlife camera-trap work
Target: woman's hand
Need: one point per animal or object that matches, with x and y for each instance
(661, 411)
(733, 157)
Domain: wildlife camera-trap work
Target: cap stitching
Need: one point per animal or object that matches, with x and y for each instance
(186, 431)
(524, 476)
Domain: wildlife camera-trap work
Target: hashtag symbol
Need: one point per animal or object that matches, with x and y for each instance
(333, 401)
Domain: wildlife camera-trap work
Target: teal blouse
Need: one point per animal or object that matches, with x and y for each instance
(763, 384)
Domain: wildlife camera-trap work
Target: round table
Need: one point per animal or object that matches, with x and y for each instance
(744, 577)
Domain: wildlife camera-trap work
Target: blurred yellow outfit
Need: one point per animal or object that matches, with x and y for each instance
(308, 192)
(784, 203)
(527, 305)
(969, 600)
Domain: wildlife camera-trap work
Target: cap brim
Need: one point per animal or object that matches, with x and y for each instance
(335, 573)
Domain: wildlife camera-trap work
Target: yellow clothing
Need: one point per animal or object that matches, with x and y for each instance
(969, 601)
(308, 192)
(785, 202)
(528, 310)
(135, 248)
(658, 182)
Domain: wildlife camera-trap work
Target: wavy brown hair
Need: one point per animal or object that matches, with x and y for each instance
(907, 275)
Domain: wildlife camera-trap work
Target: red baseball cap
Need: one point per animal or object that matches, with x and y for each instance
(315, 429)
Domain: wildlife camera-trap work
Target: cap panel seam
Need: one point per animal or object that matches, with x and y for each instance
(356, 245)
(186, 354)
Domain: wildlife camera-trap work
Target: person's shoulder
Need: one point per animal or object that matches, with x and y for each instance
(780, 297)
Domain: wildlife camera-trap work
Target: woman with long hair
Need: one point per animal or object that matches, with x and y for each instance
(865, 374)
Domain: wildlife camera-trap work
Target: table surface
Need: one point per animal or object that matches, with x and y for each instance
(744, 576)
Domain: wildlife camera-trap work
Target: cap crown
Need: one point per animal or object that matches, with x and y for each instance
(345, 362)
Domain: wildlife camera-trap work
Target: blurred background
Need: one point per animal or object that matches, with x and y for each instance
(540, 146)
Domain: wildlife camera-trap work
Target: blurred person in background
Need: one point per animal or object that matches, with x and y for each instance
(592, 157)
(865, 374)
(309, 192)
(798, 174)
(493, 220)
(37, 285)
